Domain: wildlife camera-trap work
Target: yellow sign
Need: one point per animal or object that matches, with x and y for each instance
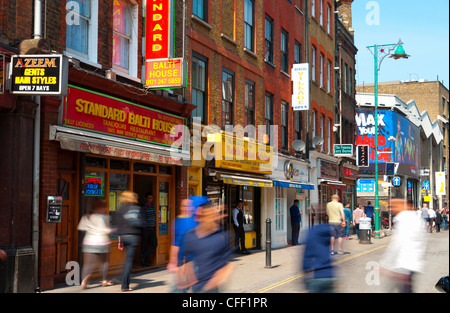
(242, 155)
(426, 199)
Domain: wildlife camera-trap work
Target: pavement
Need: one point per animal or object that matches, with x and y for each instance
(250, 274)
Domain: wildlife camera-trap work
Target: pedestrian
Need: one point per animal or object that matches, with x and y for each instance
(438, 220)
(368, 210)
(296, 219)
(317, 266)
(357, 214)
(444, 214)
(405, 255)
(431, 219)
(425, 217)
(207, 249)
(336, 219)
(238, 225)
(129, 224)
(96, 243)
(149, 240)
(183, 222)
(348, 220)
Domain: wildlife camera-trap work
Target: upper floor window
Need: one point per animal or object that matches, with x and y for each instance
(268, 39)
(313, 63)
(321, 69)
(82, 28)
(227, 98)
(269, 117)
(284, 125)
(200, 9)
(313, 8)
(199, 98)
(250, 108)
(284, 51)
(298, 125)
(297, 53)
(248, 20)
(328, 19)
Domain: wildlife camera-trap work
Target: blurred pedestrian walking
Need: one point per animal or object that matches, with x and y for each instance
(96, 243)
(238, 225)
(444, 214)
(357, 214)
(438, 220)
(317, 266)
(207, 250)
(425, 217)
(405, 255)
(368, 210)
(129, 224)
(431, 219)
(336, 219)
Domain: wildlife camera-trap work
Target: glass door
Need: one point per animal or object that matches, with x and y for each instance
(165, 213)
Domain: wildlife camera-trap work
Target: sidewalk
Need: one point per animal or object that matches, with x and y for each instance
(250, 273)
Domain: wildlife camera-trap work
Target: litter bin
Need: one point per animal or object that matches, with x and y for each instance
(365, 228)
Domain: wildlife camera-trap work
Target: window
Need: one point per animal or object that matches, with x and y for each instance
(297, 53)
(284, 124)
(321, 69)
(124, 37)
(284, 51)
(329, 77)
(268, 39)
(350, 81)
(346, 78)
(269, 115)
(329, 136)
(227, 97)
(321, 12)
(322, 125)
(248, 20)
(298, 125)
(313, 126)
(200, 9)
(199, 98)
(328, 19)
(81, 31)
(250, 108)
(313, 64)
(313, 8)
(279, 209)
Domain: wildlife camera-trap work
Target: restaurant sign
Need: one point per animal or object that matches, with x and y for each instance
(100, 113)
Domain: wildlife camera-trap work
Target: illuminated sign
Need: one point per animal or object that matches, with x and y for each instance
(362, 155)
(343, 150)
(158, 34)
(100, 113)
(93, 186)
(37, 74)
(300, 79)
(165, 73)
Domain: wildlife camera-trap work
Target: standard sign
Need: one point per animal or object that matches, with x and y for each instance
(36, 74)
(343, 150)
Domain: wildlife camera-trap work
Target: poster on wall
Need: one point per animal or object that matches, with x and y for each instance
(398, 139)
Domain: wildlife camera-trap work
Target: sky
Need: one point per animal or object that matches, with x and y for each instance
(423, 26)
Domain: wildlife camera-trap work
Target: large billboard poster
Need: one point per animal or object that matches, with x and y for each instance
(398, 140)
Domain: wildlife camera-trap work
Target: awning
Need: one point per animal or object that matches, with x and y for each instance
(333, 184)
(246, 181)
(292, 184)
(89, 142)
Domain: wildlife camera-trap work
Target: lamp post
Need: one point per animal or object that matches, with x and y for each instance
(379, 53)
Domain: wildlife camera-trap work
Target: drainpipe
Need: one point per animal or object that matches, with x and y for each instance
(36, 155)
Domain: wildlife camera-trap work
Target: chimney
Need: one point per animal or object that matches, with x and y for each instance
(344, 7)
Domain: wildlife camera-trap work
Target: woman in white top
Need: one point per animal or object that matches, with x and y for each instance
(96, 242)
(432, 217)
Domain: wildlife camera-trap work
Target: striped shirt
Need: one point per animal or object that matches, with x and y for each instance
(148, 212)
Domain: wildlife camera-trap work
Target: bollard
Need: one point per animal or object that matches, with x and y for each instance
(268, 244)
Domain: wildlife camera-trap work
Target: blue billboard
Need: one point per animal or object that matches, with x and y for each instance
(398, 140)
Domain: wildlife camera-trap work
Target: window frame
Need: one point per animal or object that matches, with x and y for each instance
(284, 124)
(251, 26)
(204, 92)
(268, 41)
(225, 102)
(284, 54)
(204, 5)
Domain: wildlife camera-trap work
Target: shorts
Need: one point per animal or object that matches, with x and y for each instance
(337, 230)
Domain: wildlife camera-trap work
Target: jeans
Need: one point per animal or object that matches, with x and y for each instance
(357, 229)
(295, 231)
(320, 285)
(130, 243)
(347, 228)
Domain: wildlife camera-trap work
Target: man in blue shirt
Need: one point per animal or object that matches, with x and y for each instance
(296, 218)
(368, 210)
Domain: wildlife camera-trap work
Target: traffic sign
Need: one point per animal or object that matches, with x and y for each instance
(396, 181)
(362, 155)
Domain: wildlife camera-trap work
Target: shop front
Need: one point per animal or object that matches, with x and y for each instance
(291, 182)
(237, 173)
(106, 145)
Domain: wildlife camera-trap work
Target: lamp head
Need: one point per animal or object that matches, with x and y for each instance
(399, 52)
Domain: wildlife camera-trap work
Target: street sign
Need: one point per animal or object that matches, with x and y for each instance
(390, 168)
(362, 155)
(343, 150)
(396, 181)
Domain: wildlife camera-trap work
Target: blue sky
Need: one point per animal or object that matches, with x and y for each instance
(423, 26)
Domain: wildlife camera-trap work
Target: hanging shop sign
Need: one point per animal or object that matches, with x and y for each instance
(300, 79)
(38, 75)
(343, 150)
(440, 183)
(159, 29)
(93, 186)
(100, 113)
(165, 73)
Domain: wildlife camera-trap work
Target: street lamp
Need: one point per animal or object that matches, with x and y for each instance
(379, 53)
